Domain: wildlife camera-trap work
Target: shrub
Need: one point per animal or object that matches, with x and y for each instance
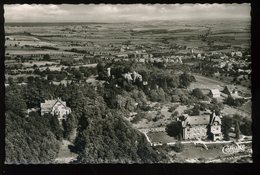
(175, 98)
(137, 118)
(198, 93)
(201, 159)
(146, 108)
(246, 126)
(175, 114)
(234, 102)
(155, 119)
(174, 129)
(173, 108)
(178, 147)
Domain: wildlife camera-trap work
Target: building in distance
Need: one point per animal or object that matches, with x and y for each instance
(230, 90)
(214, 93)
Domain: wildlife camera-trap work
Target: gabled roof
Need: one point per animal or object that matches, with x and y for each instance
(215, 118)
(230, 88)
(48, 104)
(196, 120)
(215, 91)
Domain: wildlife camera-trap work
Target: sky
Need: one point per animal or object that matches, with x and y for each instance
(122, 13)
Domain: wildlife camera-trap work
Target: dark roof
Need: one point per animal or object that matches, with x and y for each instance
(230, 88)
(196, 120)
(215, 118)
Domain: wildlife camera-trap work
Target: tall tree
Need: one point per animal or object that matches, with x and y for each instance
(174, 129)
(226, 126)
(237, 120)
(14, 101)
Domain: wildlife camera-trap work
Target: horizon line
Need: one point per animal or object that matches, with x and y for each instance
(99, 22)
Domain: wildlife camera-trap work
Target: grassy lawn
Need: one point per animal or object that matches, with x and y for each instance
(206, 83)
(231, 111)
(192, 153)
(161, 137)
(195, 152)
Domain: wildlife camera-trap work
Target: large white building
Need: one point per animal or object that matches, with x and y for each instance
(201, 126)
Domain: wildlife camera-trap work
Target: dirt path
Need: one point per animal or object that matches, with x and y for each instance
(65, 155)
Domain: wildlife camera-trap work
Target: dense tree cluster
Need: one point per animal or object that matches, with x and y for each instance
(76, 74)
(186, 79)
(14, 100)
(30, 140)
(106, 137)
(150, 74)
(159, 85)
(236, 102)
(198, 94)
(102, 133)
(241, 125)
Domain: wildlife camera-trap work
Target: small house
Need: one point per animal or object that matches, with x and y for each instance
(230, 90)
(214, 93)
